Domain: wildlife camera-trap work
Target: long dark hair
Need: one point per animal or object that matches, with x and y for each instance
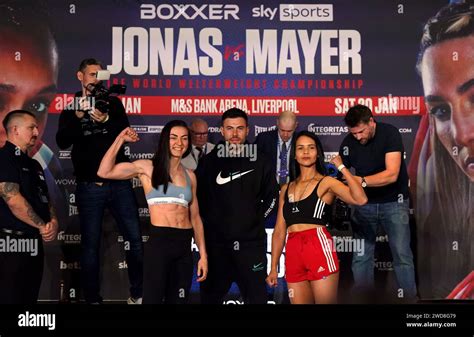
(161, 159)
(295, 167)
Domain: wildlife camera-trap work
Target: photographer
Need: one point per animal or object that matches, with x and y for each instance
(90, 132)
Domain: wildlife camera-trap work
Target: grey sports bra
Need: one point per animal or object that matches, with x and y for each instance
(174, 195)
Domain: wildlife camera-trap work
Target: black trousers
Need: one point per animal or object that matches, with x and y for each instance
(244, 264)
(168, 266)
(21, 268)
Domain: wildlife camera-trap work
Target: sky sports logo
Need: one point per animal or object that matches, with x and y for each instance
(306, 12)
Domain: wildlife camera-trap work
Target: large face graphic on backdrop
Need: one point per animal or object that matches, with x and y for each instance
(28, 75)
(449, 92)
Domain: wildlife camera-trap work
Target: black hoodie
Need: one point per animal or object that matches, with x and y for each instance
(235, 195)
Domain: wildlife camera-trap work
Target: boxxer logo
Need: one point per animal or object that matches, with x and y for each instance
(189, 12)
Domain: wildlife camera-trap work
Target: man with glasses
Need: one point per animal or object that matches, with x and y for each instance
(276, 144)
(200, 145)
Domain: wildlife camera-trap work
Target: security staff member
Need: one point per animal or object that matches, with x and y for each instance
(25, 212)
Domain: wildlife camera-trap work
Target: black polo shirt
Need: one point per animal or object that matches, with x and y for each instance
(18, 168)
(369, 159)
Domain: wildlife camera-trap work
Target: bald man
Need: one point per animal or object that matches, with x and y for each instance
(200, 145)
(276, 144)
(27, 216)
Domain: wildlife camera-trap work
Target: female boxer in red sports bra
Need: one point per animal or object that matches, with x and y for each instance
(312, 267)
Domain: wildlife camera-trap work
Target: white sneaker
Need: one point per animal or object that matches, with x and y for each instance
(132, 300)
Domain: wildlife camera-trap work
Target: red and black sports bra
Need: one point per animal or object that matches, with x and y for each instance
(310, 210)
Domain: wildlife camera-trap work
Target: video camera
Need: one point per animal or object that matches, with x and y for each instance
(101, 95)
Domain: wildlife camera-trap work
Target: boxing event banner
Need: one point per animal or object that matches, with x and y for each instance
(189, 59)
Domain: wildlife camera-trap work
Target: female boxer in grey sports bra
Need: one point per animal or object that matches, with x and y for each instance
(170, 190)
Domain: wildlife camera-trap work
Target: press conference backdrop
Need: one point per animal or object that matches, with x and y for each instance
(188, 59)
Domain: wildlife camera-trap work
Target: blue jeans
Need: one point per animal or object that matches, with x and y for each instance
(92, 199)
(394, 218)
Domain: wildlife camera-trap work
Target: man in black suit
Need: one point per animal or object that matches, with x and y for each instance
(276, 144)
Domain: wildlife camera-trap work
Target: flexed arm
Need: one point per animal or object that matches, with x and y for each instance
(353, 193)
(108, 169)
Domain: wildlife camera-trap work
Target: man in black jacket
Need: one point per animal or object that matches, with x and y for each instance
(26, 213)
(90, 132)
(236, 191)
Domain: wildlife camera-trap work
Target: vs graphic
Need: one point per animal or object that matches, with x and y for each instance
(234, 53)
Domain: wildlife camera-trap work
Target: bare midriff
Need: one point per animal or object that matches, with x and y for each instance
(299, 227)
(170, 215)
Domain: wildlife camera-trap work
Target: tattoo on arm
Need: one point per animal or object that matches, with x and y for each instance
(32, 214)
(9, 190)
(52, 211)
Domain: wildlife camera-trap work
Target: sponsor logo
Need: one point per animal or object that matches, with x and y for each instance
(134, 156)
(143, 212)
(281, 262)
(65, 154)
(384, 265)
(214, 129)
(65, 182)
(69, 238)
(71, 265)
(136, 183)
(148, 128)
(37, 320)
(155, 129)
(320, 130)
(257, 267)
(260, 129)
(321, 269)
(382, 238)
(123, 265)
(73, 210)
(189, 11)
(264, 12)
(328, 156)
(140, 129)
(404, 130)
(306, 12)
(232, 176)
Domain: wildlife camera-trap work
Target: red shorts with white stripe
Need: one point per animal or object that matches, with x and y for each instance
(310, 255)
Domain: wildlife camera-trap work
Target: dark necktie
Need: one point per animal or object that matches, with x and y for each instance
(283, 164)
(200, 152)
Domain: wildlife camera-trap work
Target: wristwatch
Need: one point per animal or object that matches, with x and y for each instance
(364, 183)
